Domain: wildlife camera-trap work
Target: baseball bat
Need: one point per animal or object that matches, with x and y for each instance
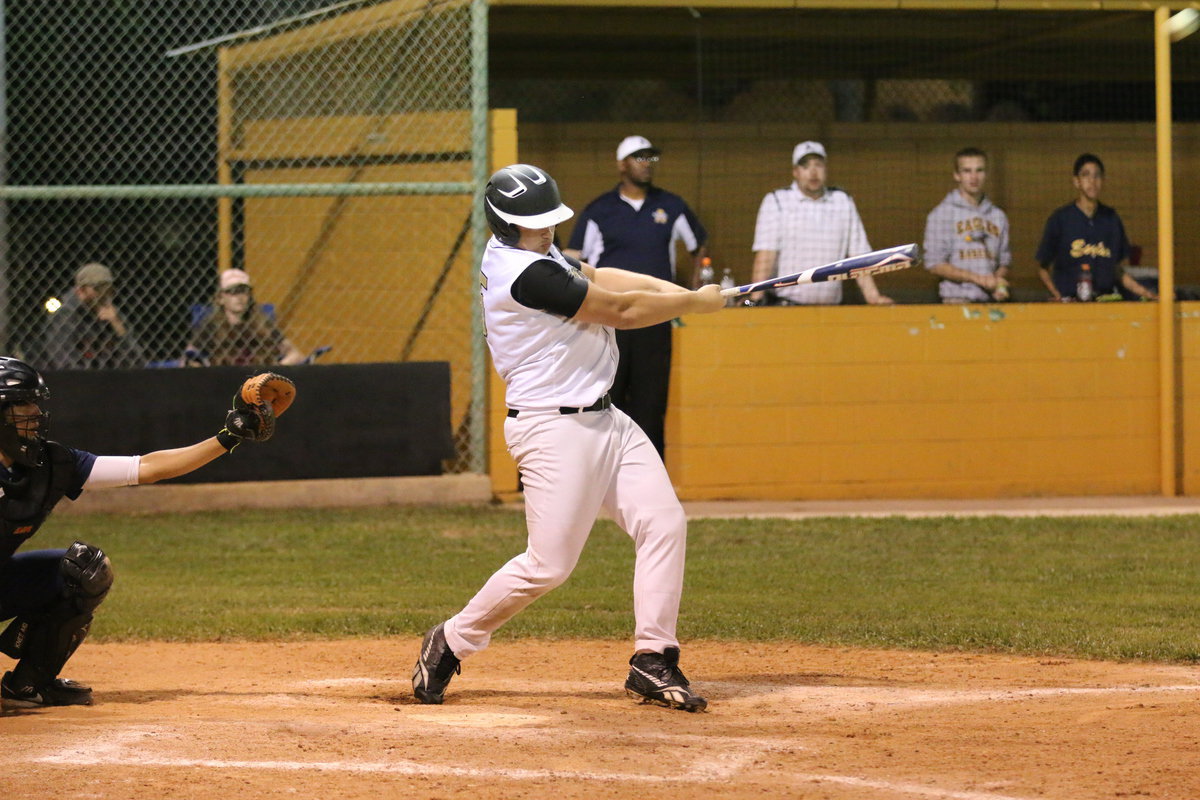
(892, 258)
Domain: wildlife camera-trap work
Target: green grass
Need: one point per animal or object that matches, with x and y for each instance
(1101, 587)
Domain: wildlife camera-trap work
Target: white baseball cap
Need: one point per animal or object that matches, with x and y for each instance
(807, 149)
(234, 277)
(634, 144)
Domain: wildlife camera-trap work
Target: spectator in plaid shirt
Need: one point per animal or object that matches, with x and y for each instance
(806, 225)
(966, 237)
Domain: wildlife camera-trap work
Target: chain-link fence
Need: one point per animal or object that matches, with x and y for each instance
(329, 150)
(893, 93)
(325, 151)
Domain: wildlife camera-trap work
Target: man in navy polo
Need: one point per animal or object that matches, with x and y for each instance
(1086, 232)
(635, 227)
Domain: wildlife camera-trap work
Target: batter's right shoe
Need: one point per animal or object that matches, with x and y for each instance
(656, 678)
(58, 692)
(435, 667)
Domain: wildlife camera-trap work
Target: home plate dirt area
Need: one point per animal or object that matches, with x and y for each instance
(549, 719)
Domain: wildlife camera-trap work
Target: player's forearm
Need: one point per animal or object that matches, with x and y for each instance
(163, 464)
(871, 292)
(639, 309)
(953, 273)
(620, 280)
(642, 309)
(1048, 282)
(1135, 288)
(291, 354)
(764, 265)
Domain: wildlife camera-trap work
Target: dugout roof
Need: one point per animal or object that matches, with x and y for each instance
(997, 40)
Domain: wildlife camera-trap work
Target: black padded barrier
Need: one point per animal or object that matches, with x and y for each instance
(348, 420)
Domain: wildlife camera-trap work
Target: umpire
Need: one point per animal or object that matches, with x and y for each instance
(635, 227)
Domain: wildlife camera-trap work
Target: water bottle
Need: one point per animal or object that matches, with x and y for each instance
(1083, 289)
(706, 272)
(727, 282)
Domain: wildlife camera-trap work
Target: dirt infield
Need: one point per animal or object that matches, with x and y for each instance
(549, 719)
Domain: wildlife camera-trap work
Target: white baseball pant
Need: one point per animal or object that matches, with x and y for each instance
(572, 465)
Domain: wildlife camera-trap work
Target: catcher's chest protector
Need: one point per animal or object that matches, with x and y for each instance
(29, 499)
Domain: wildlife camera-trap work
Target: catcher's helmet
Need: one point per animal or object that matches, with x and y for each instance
(522, 195)
(21, 384)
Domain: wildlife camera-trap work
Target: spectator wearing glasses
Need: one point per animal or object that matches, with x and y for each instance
(87, 331)
(807, 224)
(636, 227)
(238, 332)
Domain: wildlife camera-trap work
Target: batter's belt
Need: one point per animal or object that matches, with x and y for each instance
(601, 404)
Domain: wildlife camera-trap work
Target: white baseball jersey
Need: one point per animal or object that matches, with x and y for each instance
(547, 360)
(808, 233)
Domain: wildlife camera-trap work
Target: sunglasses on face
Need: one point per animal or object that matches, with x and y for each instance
(236, 290)
(645, 159)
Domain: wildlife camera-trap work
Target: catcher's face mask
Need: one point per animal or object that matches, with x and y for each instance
(24, 425)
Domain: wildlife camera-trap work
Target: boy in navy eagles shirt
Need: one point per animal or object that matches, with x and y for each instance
(1086, 232)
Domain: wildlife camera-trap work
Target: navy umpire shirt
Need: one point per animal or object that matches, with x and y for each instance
(639, 241)
(1072, 239)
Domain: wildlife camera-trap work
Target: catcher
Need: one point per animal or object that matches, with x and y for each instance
(50, 595)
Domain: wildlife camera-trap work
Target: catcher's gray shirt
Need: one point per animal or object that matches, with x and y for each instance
(972, 238)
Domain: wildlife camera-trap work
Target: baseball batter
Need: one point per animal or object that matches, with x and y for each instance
(549, 324)
(50, 595)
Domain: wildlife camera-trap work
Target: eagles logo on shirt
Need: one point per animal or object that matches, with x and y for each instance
(660, 216)
(1080, 248)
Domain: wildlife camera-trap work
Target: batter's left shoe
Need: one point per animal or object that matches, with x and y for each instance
(58, 692)
(656, 678)
(436, 665)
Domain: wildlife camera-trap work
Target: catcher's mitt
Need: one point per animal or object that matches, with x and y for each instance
(270, 388)
(258, 402)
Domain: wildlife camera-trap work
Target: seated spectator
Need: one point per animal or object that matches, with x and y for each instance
(237, 332)
(87, 331)
(1084, 243)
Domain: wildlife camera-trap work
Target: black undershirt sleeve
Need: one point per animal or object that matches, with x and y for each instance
(546, 286)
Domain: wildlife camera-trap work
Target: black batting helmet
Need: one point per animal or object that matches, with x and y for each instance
(21, 384)
(522, 195)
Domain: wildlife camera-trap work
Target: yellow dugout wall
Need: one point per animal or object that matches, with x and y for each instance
(916, 401)
(912, 400)
(919, 401)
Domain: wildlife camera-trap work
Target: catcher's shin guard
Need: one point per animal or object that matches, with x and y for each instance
(46, 640)
(44, 643)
